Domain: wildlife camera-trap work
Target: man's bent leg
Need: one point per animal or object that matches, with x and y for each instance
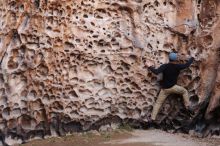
(161, 97)
(181, 90)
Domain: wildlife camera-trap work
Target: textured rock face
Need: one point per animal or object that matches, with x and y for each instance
(76, 65)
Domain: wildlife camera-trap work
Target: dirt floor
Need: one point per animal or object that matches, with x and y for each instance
(126, 138)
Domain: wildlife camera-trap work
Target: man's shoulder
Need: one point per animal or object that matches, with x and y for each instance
(165, 64)
(172, 65)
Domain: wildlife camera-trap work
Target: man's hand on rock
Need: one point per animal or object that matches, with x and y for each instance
(183, 57)
(149, 63)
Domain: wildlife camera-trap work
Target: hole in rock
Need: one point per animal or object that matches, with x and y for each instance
(208, 40)
(150, 100)
(37, 3)
(43, 70)
(85, 16)
(26, 121)
(194, 99)
(1, 79)
(216, 114)
(73, 94)
(156, 3)
(56, 105)
(6, 112)
(12, 64)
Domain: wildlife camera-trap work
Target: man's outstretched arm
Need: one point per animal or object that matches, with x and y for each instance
(187, 64)
(157, 71)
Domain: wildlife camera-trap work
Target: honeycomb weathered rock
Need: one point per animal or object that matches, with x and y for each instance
(74, 65)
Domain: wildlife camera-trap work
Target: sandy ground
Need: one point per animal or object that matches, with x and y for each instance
(126, 138)
(161, 138)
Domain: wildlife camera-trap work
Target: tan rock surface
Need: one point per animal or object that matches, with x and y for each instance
(77, 65)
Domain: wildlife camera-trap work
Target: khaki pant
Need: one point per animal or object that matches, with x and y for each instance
(164, 93)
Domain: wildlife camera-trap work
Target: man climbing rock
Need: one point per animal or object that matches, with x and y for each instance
(168, 84)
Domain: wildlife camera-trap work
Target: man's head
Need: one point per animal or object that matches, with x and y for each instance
(172, 56)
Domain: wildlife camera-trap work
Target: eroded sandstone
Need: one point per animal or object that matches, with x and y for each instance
(70, 66)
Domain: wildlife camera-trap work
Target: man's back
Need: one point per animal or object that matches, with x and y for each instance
(170, 75)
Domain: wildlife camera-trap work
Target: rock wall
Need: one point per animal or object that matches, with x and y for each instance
(70, 66)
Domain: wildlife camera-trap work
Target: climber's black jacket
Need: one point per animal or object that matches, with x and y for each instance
(170, 72)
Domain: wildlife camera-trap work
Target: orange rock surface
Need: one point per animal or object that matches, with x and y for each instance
(74, 65)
